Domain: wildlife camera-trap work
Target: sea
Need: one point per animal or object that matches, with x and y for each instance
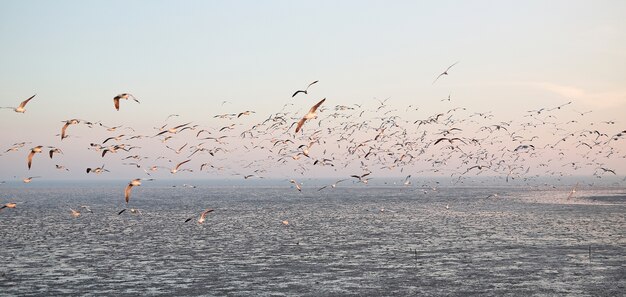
(273, 240)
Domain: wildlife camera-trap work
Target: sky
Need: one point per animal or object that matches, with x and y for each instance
(188, 57)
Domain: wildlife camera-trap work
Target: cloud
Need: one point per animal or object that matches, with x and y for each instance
(596, 99)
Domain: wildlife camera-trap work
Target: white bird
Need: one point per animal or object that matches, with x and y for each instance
(29, 179)
(298, 187)
(202, 217)
(572, 192)
(134, 182)
(75, 213)
(97, 170)
(33, 151)
(8, 205)
(116, 99)
(310, 115)
(22, 107)
(175, 169)
(67, 124)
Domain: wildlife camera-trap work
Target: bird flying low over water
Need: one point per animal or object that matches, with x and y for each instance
(22, 107)
(310, 115)
(8, 205)
(29, 179)
(305, 90)
(298, 186)
(202, 217)
(116, 99)
(134, 182)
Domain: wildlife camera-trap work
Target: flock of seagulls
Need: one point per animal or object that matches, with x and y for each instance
(367, 138)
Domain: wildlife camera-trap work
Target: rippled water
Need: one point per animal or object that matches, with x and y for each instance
(338, 242)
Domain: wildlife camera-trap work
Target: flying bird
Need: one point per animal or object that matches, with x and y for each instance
(22, 107)
(202, 217)
(29, 179)
(54, 150)
(310, 115)
(116, 99)
(67, 124)
(97, 170)
(444, 73)
(572, 192)
(8, 205)
(175, 169)
(305, 90)
(75, 213)
(33, 151)
(298, 186)
(361, 177)
(134, 182)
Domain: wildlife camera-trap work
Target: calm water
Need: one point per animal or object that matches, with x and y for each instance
(338, 242)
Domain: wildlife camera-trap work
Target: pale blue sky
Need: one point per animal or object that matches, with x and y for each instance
(186, 57)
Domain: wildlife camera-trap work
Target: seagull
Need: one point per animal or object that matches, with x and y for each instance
(310, 115)
(29, 179)
(8, 205)
(134, 182)
(360, 178)
(54, 150)
(67, 124)
(33, 151)
(75, 213)
(116, 99)
(61, 167)
(572, 192)
(444, 73)
(247, 112)
(334, 185)
(175, 169)
(450, 140)
(202, 217)
(132, 210)
(97, 170)
(305, 90)
(298, 186)
(21, 108)
(407, 180)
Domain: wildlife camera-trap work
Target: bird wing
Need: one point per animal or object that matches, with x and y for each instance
(437, 78)
(204, 213)
(127, 192)
(451, 66)
(131, 95)
(23, 104)
(314, 108)
(441, 139)
(300, 123)
(116, 102)
(181, 163)
(296, 93)
(30, 159)
(307, 87)
(67, 124)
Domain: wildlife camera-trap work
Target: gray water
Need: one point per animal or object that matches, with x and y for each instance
(367, 241)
